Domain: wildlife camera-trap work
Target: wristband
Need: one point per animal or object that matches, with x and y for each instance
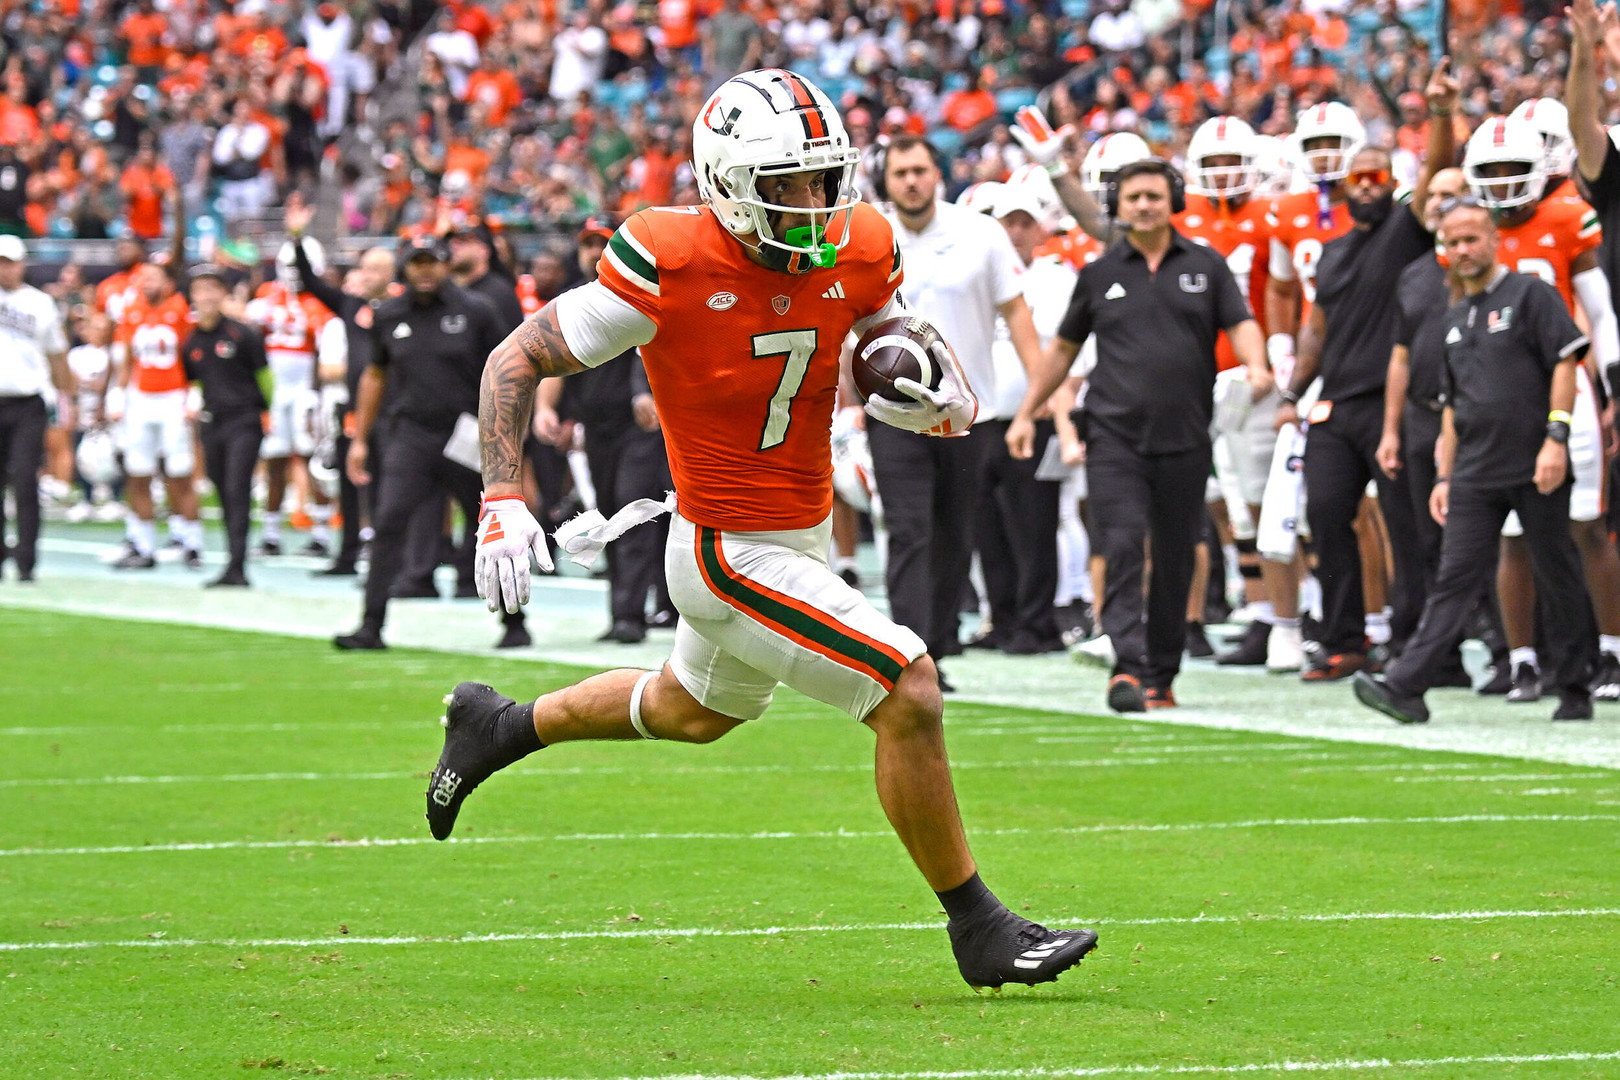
(1441, 480)
(1560, 416)
(1438, 112)
(1558, 432)
(1288, 395)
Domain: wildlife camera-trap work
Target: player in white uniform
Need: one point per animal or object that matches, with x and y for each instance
(91, 365)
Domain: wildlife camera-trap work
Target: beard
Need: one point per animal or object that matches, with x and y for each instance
(1374, 212)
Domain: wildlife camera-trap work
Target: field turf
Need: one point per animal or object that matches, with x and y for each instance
(213, 863)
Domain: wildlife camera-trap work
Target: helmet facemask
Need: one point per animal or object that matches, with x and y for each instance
(817, 235)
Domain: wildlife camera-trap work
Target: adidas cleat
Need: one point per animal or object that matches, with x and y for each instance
(1006, 948)
(470, 754)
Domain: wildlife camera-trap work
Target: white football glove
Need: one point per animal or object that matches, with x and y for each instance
(507, 536)
(950, 410)
(1038, 138)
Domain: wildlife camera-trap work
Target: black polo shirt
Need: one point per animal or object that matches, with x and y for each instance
(1501, 347)
(1154, 383)
(1604, 195)
(1356, 284)
(226, 361)
(434, 351)
(1422, 298)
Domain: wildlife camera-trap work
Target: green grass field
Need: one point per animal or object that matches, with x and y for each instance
(187, 889)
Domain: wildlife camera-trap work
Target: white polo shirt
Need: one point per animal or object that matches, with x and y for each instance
(30, 328)
(959, 270)
(1048, 285)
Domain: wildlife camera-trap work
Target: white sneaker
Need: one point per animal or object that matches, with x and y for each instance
(77, 513)
(1284, 649)
(109, 512)
(1099, 652)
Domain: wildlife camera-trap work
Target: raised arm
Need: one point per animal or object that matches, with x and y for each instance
(1580, 88)
(1442, 138)
(534, 351)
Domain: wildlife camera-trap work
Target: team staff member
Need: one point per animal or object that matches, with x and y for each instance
(33, 363)
(432, 341)
(1511, 350)
(1412, 404)
(1347, 341)
(357, 310)
(227, 358)
(1156, 302)
(967, 274)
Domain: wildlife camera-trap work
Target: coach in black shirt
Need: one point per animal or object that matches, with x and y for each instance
(1347, 342)
(1156, 302)
(432, 342)
(1509, 382)
(227, 358)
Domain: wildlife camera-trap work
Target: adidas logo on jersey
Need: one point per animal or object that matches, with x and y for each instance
(1548, 240)
(1115, 291)
(836, 292)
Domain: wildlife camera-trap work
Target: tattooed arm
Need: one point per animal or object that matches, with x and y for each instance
(534, 351)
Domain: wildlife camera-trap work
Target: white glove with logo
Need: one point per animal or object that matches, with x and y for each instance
(950, 410)
(1040, 141)
(507, 536)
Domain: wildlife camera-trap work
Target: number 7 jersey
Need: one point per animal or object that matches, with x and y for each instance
(743, 363)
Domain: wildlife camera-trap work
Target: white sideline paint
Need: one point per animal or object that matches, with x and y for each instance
(1081, 1071)
(157, 940)
(830, 834)
(599, 770)
(285, 601)
(1500, 778)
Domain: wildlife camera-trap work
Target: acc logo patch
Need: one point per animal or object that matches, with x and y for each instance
(1302, 220)
(453, 324)
(722, 301)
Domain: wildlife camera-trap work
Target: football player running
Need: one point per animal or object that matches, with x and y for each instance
(1546, 229)
(740, 307)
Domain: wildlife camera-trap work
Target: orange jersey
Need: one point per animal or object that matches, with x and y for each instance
(116, 293)
(151, 334)
(1243, 237)
(1298, 236)
(291, 322)
(1562, 228)
(1074, 248)
(743, 363)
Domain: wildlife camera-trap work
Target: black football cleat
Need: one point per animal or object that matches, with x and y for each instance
(1373, 692)
(1006, 948)
(1526, 684)
(1606, 683)
(1573, 707)
(134, 560)
(1251, 649)
(469, 756)
(230, 579)
(515, 636)
(1500, 679)
(365, 638)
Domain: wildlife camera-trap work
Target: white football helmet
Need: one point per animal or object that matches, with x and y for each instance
(1106, 157)
(980, 197)
(287, 265)
(768, 123)
(1550, 118)
(97, 457)
(1223, 136)
(1275, 170)
(1341, 133)
(1503, 141)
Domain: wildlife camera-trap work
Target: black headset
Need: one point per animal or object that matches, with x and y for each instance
(878, 166)
(1178, 185)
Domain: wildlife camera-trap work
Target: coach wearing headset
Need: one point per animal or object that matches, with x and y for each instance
(1156, 302)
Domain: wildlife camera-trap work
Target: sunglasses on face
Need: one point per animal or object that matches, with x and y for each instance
(1370, 177)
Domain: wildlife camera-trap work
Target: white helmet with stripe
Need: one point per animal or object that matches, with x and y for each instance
(1337, 132)
(980, 197)
(287, 264)
(769, 123)
(1512, 151)
(1275, 170)
(1550, 118)
(1223, 136)
(1106, 157)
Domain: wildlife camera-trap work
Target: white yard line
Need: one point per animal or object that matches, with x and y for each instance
(1500, 778)
(829, 834)
(158, 940)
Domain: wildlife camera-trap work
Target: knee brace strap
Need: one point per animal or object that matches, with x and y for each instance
(635, 704)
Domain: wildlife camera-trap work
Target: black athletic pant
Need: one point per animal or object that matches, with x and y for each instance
(626, 466)
(348, 503)
(230, 452)
(1017, 538)
(930, 490)
(1158, 498)
(1420, 430)
(415, 472)
(22, 448)
(1467, 562)
(1340, 457)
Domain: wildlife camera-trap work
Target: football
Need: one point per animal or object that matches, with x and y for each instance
(895, 349)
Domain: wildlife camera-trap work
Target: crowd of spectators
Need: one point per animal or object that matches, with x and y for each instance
(533, 110)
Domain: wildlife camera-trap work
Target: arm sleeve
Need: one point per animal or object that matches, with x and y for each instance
(1605, 190)
(1231, 306)
(55, 338)
(1076, 324)
(313, 283)
(599, 324)
(1281, 263)
(191, 372)
(1405, 325)
(1550, 332)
